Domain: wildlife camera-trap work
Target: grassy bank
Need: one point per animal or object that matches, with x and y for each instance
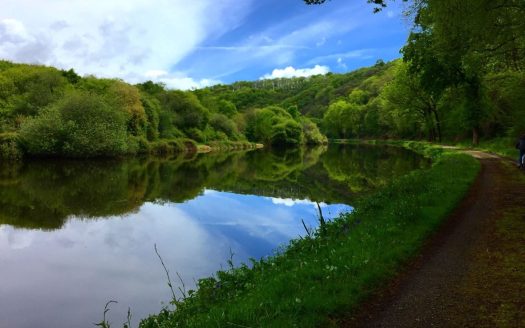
(11, 148)
(327, 273)
(501, 146)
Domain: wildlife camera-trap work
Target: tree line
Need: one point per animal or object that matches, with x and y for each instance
(45, 111)
(461, 74)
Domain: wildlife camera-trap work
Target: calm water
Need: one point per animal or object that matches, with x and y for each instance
(76, 234)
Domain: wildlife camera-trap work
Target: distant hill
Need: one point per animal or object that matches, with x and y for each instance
(312, 95)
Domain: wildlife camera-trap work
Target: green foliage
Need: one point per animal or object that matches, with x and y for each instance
(126, 98)
(274, 126)
(222, 123)
(227, 108)
(71, 76)
(359, 97)
(152, 110)
(170, 146)
(507, 99)
(9, 148)
(312, 134)
(24, 89)
(186, 110)
(460, 76)
(344, 119)
(79, 125)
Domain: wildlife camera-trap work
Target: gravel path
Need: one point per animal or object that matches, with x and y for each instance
(446, 285)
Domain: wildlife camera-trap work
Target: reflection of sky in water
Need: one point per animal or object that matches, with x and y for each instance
(63, 278)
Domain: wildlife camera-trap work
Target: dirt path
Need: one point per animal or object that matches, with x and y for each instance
(472, 272)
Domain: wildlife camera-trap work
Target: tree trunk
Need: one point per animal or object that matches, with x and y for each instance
(430, 126)
(438, 124)
(475, 136)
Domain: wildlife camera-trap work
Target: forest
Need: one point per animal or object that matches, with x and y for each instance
(460, 79)
(461, 74)
(45, 111)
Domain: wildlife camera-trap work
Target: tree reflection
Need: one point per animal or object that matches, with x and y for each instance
(43, 194)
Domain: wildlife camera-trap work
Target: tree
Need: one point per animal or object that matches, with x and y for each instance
(344, 119)
(274, 126)
(227, 108)
(312, 134)
(222, 123)
(35, 87)
(359, 97)
(406, 95)
(185, 110)
(126, 98)
(152, 109)
(71, 76)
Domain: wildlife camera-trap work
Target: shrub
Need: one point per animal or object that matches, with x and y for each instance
(9, 148)
(79, 125)
(222, 123)
(312, 135)
(172, 146)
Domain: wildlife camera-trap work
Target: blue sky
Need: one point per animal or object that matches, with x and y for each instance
(193, 44)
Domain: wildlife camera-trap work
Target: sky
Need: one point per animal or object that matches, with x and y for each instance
(192, 44)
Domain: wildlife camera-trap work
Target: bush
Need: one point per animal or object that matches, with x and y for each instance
(222, 123)
(172, 146)
(80, 125)
(44, 134)
(273, 125)
(196, 135)
(9, 148)
(312, 135)
(286, 132)
(138, 145)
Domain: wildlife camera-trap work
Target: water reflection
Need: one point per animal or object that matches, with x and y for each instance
(42, 194)
(75, 234)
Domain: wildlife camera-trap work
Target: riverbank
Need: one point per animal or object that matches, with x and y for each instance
(218, 146)
(333, 269)
(10, 148)
(500, 146)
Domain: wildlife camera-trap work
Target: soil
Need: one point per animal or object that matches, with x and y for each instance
(471, 273)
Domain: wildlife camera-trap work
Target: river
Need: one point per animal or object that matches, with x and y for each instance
(76, 234)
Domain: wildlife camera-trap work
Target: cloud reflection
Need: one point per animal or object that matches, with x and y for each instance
(78, 268)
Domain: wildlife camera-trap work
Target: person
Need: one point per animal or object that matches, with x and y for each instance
(521, 146)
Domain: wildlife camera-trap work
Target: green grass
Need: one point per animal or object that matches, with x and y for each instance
(501, 146)
(326, 275)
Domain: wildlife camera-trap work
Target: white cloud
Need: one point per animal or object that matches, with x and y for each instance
(179, 80)
(155, 73)
(289, 72)
(291, 202)
(186, 83)
(130, 39)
